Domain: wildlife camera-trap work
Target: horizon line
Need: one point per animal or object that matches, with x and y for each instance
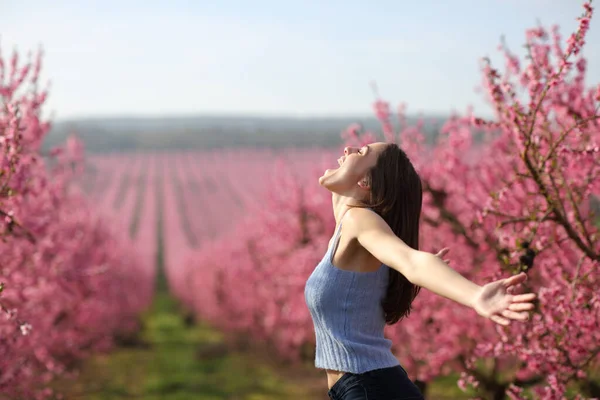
(229, 114)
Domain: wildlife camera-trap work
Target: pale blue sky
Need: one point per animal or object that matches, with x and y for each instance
(269, 57)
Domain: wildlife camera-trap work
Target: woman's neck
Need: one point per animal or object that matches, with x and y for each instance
(341, 204)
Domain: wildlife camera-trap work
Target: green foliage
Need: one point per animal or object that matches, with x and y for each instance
(179, 362)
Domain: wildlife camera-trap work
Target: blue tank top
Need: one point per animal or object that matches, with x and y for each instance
(348, 318)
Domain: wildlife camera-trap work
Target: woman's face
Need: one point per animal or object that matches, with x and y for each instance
(354, 165)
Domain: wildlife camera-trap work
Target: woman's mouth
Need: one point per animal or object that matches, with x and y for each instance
(341, 160)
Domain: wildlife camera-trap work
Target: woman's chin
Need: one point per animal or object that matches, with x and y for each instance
(324, 179)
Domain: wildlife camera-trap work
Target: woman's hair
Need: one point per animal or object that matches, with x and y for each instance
(396, 195)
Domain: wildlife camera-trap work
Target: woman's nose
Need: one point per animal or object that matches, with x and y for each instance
(348, 150)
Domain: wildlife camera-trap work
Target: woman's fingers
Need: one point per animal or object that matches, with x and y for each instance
(519, 316)
(443, 252)
(515, 279)
(499, 320)
(523, 298)
(521, 306)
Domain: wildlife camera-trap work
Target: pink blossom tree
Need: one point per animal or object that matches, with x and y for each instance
(507, 195)
(68, 282)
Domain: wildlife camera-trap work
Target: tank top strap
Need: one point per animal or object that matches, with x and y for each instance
(338, 232)
(336, 235)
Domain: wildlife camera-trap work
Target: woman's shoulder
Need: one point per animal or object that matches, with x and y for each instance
(360, 213)
(360, 218)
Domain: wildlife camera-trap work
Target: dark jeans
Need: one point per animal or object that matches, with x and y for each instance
(380, 384)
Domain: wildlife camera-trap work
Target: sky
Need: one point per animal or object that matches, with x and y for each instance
(266, 57)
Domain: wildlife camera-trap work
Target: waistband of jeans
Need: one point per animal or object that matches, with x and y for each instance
(346, 381)
(349, 379)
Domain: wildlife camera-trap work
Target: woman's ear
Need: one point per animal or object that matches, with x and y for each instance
(364, 184)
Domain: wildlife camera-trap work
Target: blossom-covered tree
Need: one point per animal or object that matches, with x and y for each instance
(68, 281)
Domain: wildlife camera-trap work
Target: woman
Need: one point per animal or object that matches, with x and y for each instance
(373, 270)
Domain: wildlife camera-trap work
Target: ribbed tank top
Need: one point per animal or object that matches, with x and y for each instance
(348, 318)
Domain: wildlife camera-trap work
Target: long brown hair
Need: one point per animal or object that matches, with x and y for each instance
(396, 195)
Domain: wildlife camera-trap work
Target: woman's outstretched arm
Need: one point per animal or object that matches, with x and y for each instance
(429, 271)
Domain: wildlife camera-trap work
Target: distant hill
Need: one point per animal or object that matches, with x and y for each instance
(211, 131)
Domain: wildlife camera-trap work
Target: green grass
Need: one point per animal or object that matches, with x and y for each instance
(445, 387)
(182, 362)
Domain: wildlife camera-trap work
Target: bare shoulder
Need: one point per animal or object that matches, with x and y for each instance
(359, 220)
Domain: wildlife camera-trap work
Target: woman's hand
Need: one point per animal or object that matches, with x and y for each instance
(494, 301)
(442, 253)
